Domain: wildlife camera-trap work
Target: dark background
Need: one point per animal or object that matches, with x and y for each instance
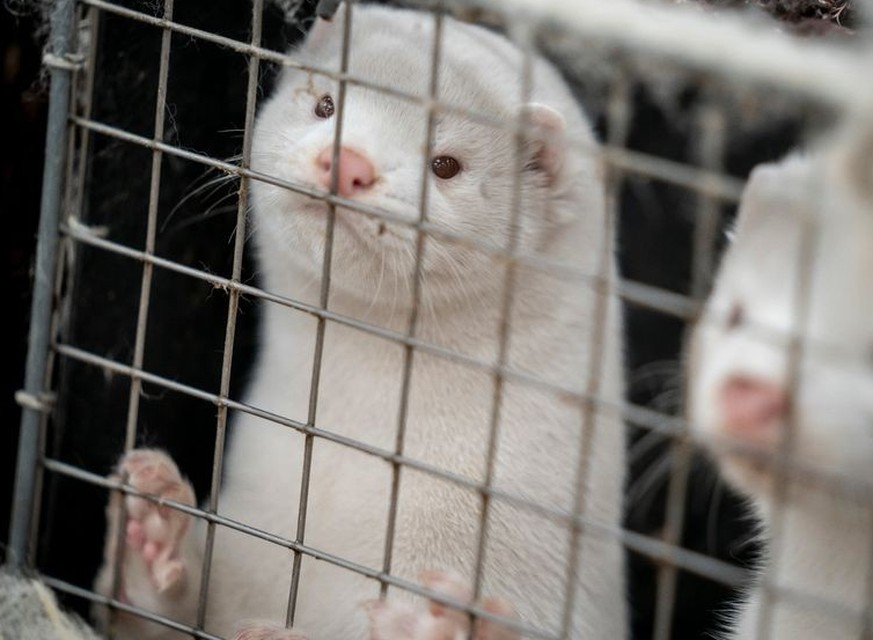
(186, 322)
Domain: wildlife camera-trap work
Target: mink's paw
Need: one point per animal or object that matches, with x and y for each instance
(437, 621)
(153, 532)
(267, 632)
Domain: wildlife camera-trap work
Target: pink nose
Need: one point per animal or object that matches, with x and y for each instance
(356, 172)
(752, 407)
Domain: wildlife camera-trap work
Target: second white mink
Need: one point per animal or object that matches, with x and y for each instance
(553, 326)
(812, 213)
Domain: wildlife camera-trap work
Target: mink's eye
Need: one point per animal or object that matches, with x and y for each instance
(324, 107)
(736, 317)
(445, 167)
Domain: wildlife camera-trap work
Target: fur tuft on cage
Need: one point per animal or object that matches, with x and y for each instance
(30, 611)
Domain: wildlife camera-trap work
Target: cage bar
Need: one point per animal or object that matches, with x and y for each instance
(232, 310)
(770, 593)
(65, 281)
(711, 127)
(649, 166)
(524, 38)
(324, 296)
(618, 115)
(33, 398)
(408, 350)
(146, 284)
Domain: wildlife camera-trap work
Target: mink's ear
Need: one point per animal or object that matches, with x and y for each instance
(760, 194)
(323, 29)
(782, 199)
(546, 147)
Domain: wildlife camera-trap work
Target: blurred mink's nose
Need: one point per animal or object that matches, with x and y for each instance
(356, 172)
(752, 407)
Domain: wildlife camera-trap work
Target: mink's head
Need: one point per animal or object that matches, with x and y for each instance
(783, 355)
(477, 172)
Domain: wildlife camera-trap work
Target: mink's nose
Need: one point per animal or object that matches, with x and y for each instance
(752, 408)
(356, 172)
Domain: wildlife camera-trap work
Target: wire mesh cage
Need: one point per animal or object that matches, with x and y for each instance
(465, 287)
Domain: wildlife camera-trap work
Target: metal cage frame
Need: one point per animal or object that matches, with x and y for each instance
(820, 72)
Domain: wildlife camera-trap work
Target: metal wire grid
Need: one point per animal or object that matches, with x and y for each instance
(712, 188)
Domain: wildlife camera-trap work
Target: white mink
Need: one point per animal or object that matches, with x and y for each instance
(553, 322)
(809, 212)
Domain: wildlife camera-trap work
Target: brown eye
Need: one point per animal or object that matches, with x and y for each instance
(737, 316)
(445, 167)
(324, 107)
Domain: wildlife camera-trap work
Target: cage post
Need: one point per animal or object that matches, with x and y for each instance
(33, 404)
(782, 462)
(409, 350)
(87, 21)
(710, 151)
(324, 297)
(604, 287)
(232, 311)
(145, 283)
(523, 36)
